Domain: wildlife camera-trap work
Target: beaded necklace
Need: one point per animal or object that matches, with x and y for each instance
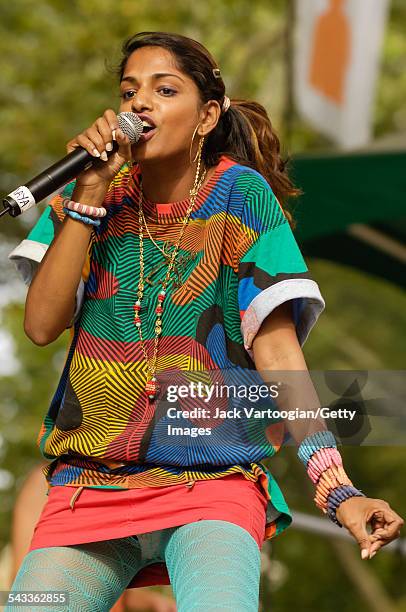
(151, 387)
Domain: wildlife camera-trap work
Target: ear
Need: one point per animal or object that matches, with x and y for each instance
(209, 117)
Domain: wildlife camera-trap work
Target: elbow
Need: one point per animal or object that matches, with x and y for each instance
(37, 336)
(39, 333)
(44, 327)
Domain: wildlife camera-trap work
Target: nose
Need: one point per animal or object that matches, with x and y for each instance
(141, 101)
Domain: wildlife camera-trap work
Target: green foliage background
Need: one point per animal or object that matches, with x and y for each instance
(54, 81)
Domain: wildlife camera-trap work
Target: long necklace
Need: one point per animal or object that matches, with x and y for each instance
(179, 262)
(151, 387)
(165, 253)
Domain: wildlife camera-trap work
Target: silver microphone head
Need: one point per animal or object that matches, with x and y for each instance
(131, 125)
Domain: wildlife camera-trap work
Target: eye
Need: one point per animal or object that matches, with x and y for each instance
(167, 91)
(127, 95)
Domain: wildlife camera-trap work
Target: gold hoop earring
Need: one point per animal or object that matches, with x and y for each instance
(198, 156)
(192, 161)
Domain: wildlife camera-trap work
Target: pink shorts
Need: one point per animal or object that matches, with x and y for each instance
(104, 514)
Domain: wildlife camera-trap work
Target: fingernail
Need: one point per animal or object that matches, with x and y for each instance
(373, 554)
(103, 156)
(109, 146)
(113, 134)
(95, 153)
(364, 553)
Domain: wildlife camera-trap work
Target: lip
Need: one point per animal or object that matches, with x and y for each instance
(147, 136)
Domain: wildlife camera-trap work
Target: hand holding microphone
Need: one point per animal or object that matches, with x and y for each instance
(96, 144)
(105, 141)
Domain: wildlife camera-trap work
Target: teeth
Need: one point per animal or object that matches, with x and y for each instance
(146, 124)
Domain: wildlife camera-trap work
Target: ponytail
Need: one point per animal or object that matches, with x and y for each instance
(245, 134)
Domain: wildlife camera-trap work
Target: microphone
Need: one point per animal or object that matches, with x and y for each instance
(56, 176)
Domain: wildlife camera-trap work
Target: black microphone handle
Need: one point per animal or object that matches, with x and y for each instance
(51, 179)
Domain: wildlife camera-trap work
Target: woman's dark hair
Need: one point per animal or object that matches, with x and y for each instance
(244, 133)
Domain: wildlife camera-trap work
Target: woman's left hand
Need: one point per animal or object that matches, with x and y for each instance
(356, 512)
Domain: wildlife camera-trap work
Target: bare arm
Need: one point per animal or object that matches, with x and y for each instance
(50, 300)
(276, 348)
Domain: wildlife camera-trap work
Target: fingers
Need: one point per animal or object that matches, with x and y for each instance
(363, 538)
(90, 141)
(356, 513)
(379, 543)
(124, 147)
(98, 139)
(116, 134)
(386, 525)
(72, 145)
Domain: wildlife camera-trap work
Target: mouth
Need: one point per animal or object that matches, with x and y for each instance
(148, 129)
(147, 135)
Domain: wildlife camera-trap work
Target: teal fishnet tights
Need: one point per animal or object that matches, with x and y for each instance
(212, 565)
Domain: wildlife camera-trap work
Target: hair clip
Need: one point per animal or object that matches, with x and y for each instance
(216, 73)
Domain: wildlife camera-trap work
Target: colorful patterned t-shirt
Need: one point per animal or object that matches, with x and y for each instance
(238, 261)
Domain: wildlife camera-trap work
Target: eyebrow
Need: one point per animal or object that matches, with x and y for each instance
(155, 76)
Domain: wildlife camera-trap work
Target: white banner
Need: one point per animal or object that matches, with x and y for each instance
(336, 65)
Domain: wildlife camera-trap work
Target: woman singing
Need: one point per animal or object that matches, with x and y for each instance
(173, 260)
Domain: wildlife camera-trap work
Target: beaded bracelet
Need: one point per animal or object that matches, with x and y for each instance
(338, 495)
(313, 442)
(79, 217)
(84, 209)
(322, 460)
(318, 452)
(328, 482)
